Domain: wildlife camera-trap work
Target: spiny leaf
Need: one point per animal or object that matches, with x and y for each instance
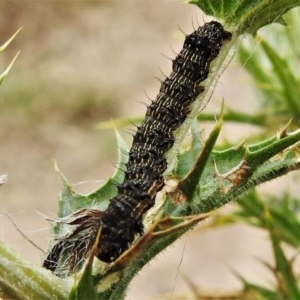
(71, 201)
(274, 67)
(23, 280)
(230, 115)
(289, 83)
(108, 190)
(242, 170)
(85, 288)
(259, 292)
(186, 159)
(189, 183)
(246, 15)
(282, 225)
(284, 217)
(216, 189)
(287, 282)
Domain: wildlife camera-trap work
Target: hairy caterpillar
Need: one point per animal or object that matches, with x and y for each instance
(121, 222)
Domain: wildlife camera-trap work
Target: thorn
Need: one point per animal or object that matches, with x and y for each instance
(217, 173)
(6, 71)
(239, 145)
(62, 177)
(283, 132)
(10, 39)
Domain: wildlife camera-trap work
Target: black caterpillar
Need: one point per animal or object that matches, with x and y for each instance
(121, 222)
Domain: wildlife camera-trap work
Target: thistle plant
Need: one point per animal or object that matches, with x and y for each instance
(200, 177)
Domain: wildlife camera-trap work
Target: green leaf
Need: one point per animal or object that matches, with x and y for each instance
(71, 201)
(108, 190)
(274, 67)
(282, 211)
(286, 279)
(289, 83)
(246, 15)
(188, 184)
(220, 176)
(213, 196)
(85, 288)
(243, 169)
(230, 115)
(186, 159)
(259, 292)
(70, 212)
